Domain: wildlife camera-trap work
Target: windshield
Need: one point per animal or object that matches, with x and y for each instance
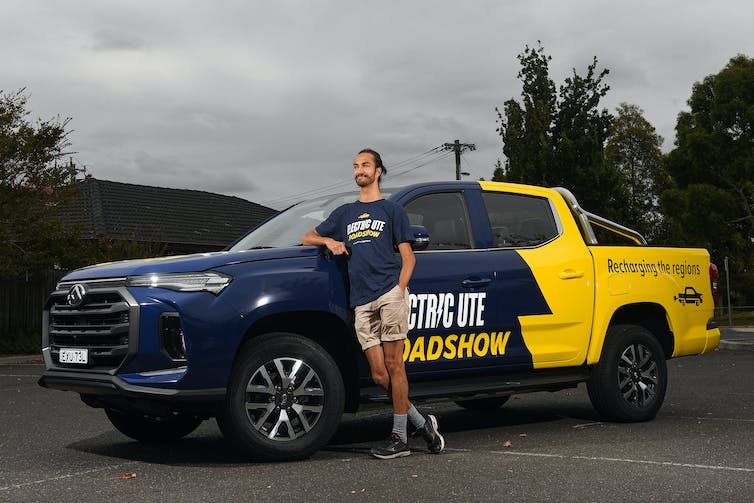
(286, 228)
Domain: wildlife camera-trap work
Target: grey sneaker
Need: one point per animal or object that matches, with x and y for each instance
(431, 434)
(392, 448)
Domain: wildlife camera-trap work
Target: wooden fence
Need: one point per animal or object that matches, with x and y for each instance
(21, 304)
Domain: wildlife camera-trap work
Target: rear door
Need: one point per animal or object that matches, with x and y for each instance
(544, 275)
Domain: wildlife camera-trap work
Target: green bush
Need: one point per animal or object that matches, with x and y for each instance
(22, 344)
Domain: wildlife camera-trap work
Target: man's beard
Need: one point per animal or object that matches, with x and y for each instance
(363, 180)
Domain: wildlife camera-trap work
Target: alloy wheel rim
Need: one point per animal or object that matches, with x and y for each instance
(637, 375)
(284, 399)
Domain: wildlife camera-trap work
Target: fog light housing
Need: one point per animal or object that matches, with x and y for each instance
(172, 341)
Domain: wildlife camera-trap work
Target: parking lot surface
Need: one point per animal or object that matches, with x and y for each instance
(537, 447)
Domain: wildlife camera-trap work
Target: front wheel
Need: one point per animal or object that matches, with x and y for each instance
(285, 398)
(153, 428)
(629, 382)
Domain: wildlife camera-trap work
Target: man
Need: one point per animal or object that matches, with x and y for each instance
(367, 231)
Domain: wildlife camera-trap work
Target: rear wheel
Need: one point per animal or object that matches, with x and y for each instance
(285, 398)
(629, 382)
(483, 404)
(153, 428)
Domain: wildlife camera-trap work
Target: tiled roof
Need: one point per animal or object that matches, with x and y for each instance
(126, 211)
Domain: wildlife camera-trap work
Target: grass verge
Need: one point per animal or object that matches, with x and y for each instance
(742, 318)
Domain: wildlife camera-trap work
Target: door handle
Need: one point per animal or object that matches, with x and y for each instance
(476, 282)
(570, 274)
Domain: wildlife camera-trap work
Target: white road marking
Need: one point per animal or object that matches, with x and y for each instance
(584, 425)
(718, 419)
(622, 460)
(66, 476)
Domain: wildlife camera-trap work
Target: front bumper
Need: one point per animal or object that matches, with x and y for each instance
(88, 383)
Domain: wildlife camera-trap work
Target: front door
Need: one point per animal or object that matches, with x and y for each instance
(451, 323)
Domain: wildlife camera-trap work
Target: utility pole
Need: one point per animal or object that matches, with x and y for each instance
(459, 147)
(727, 287)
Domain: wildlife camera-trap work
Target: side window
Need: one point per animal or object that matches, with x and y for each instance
(519, 220)
(445, 217)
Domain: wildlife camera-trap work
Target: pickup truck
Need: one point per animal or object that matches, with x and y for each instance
(511, 293)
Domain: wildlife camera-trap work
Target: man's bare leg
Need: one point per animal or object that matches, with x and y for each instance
(391, 358)
(388, 371)
(380, 375)
(396, 369)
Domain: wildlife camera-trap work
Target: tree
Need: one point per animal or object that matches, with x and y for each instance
(498, 175)
(633, 150)
(526, 130)
(579, 135)
(557, 138)
(712, 166)
(34, 182)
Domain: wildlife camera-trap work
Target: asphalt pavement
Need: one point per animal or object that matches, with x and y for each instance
(537, 447)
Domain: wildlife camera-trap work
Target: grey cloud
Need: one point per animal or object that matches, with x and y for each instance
(264, 100)
(114, 40)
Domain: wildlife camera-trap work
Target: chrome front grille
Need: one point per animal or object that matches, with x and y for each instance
(101, 324)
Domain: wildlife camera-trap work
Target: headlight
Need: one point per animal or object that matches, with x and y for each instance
(212, 282)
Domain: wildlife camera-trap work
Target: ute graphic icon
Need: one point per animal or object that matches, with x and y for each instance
(689, 296)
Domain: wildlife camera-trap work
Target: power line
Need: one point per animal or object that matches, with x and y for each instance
(342, 183)
(347, 182)
(439, 158)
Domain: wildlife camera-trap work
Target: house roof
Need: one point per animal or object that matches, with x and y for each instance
(120, 210)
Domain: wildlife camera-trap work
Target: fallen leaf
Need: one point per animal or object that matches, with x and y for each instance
(127, 476)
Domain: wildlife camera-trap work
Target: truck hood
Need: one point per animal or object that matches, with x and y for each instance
(185, 263)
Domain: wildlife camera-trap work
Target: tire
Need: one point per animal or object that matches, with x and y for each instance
(483, 404)
(269, 417)
(629, 382)
(153, 429)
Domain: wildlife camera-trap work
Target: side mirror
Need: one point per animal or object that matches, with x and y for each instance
(421, 237)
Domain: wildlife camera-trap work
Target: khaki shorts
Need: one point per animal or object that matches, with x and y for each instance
(383, 319)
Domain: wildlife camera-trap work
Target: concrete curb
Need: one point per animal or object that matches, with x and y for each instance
(733, 345)
(737, 338)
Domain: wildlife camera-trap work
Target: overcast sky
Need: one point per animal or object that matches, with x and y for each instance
(266, 100)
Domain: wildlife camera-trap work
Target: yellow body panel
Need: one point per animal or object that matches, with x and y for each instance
(585, 286)
(675, 278)
(565, 274)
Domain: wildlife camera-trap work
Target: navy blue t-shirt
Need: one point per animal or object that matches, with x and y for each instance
(370, 232)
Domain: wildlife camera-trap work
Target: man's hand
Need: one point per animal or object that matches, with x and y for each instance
(336, 247)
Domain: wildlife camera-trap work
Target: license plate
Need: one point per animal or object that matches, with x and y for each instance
(74, 356)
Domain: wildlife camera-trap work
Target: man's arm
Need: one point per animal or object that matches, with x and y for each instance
(313, 238)
(408, 261)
